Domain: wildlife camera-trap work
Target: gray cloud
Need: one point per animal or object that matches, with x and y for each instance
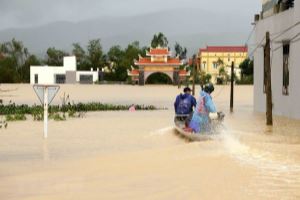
(24, 13)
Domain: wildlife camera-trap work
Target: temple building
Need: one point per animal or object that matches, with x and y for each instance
(212, 58)
(158, 60)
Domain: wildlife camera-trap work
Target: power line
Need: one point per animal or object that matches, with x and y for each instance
(280, 34)
(286, 30)
(292, 40)
(297, 35)
(259, 45)
(249, 37)
(296, 40)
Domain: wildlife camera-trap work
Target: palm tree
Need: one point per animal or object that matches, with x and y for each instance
(159, 40)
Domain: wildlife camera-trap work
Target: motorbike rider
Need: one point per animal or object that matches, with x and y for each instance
(205, 110)
(185, 102)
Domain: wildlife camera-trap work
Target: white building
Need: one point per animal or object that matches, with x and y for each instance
(283, 23)
(62, 74)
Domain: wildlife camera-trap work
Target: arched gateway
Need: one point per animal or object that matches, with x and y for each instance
(158, 60)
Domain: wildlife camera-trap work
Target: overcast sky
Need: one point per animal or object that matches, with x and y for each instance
(24, 13)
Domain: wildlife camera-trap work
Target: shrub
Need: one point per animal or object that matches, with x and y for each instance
(246, 80)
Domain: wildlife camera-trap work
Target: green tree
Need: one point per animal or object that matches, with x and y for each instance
(24, 70)
(204, 78)
(159, 40)
(246, 67)
(95, 54)
(16, 50)
(220, 62)
(120, 60)
(8, 72)
(55, 57)
(222, 71)
(115, 54)
(180, 51)
(115, 57)
(222, 76)
(131, 53)
(81, 57)
(16, 61)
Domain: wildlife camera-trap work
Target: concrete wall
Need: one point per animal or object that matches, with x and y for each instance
(46, 74)
(93, 73)
(288, 106)
(70, 63)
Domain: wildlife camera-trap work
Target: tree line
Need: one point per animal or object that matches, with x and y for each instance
(15, 58)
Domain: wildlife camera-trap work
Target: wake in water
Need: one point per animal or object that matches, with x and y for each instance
(162, 131)
(277, 176)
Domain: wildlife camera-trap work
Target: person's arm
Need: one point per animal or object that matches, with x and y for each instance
(194, 102)
(176, 103)
(210, 105)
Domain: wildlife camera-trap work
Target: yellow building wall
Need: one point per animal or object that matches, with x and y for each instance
(209, 60)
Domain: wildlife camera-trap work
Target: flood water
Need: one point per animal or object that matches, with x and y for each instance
(137, 155)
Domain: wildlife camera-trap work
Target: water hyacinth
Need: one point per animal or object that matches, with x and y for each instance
(37, 111)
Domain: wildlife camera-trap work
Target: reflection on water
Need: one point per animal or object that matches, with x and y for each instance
(114, 155)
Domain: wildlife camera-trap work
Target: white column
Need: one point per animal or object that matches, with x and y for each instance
(45, 112)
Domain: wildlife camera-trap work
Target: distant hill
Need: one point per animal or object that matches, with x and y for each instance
(192, 28)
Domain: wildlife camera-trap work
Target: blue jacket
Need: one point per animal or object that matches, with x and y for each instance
(200, 120)
(184, 104)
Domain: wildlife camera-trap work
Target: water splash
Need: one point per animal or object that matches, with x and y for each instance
(162, 131)
(276, 177)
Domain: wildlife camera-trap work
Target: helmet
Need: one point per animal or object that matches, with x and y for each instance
(209, 88)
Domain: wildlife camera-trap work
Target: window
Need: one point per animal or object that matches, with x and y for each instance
(215, 65)
(86, 79)
(60, 78)
(203, 65)
(286, 72)
(36, 78)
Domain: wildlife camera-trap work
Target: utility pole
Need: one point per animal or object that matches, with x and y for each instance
(269, 103)
(194, 73)
(231, 88)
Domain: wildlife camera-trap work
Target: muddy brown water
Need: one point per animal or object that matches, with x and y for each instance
(137, 155)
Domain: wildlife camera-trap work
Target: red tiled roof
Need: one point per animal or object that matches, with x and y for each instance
(224, 49)
(159, 51)
(148, 61)
(135, 72)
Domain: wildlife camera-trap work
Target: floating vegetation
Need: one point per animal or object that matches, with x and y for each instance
(13, 112)
(71, 109)
(15, 117)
